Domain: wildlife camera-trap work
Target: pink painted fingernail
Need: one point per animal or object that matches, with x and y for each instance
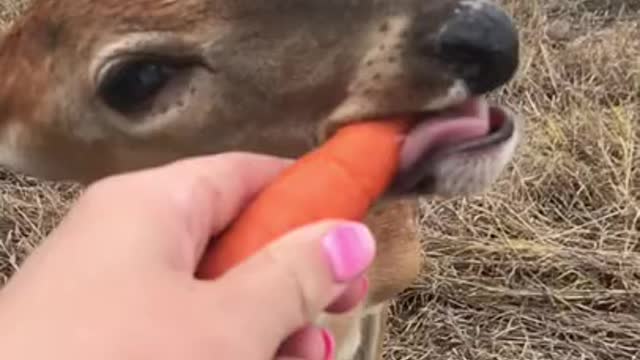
(329, 344)
(351, 249)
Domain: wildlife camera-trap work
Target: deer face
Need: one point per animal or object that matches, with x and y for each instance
(92, 88)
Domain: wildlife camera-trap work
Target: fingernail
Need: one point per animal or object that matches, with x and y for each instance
(350, 249)
(329, 344)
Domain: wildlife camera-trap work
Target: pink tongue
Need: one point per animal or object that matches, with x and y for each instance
(441, 131)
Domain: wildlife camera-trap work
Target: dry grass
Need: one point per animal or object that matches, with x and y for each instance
(545, 266)
(9, 9)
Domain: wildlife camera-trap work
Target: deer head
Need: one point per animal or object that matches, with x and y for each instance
(93, 88)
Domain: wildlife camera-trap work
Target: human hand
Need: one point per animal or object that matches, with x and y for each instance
(115, 279)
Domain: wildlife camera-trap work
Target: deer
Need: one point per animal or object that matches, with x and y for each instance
(90, 89)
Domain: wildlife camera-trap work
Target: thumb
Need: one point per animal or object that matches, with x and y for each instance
(288, 284)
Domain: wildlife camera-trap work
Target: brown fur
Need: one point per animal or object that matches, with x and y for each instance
(270, 76)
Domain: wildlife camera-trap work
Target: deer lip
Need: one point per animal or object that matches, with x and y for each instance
(471, 126)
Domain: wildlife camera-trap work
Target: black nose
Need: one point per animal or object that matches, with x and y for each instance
(480, 42)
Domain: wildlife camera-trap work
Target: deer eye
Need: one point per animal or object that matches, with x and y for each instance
(132, 86)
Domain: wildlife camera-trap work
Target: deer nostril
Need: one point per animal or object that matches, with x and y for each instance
(481, 44)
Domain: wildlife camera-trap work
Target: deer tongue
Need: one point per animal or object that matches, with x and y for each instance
(452, 127)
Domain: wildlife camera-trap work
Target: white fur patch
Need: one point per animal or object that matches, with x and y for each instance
(475, 5)
(456, 94)
(10, 156)
(351, 342)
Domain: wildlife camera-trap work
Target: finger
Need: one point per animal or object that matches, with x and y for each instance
(212, 190)
(176, 207)
(286, 285)
(310, 343)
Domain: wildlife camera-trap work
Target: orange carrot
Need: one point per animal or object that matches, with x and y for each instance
(339, 180)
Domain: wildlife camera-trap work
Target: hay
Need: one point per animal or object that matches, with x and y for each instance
(9, 9)
(544, 266)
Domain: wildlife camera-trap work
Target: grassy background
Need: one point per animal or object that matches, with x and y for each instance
(544, 266)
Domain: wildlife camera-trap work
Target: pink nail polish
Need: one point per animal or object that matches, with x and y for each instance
(329, 345)
(351, 249)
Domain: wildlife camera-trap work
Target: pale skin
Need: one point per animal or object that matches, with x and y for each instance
(115, 279)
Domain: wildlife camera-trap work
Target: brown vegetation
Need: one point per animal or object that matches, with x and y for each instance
(544, 266)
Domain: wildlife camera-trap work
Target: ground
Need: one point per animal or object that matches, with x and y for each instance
(546, 265)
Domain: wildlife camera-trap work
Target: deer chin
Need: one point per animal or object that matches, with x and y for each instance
(473, 130)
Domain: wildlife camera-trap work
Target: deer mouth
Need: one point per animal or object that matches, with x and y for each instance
(471, 126)
(463, 137)
(471, 129)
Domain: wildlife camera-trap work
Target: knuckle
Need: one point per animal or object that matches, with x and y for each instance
(199, 193)
(293, 282)
(102, 188)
